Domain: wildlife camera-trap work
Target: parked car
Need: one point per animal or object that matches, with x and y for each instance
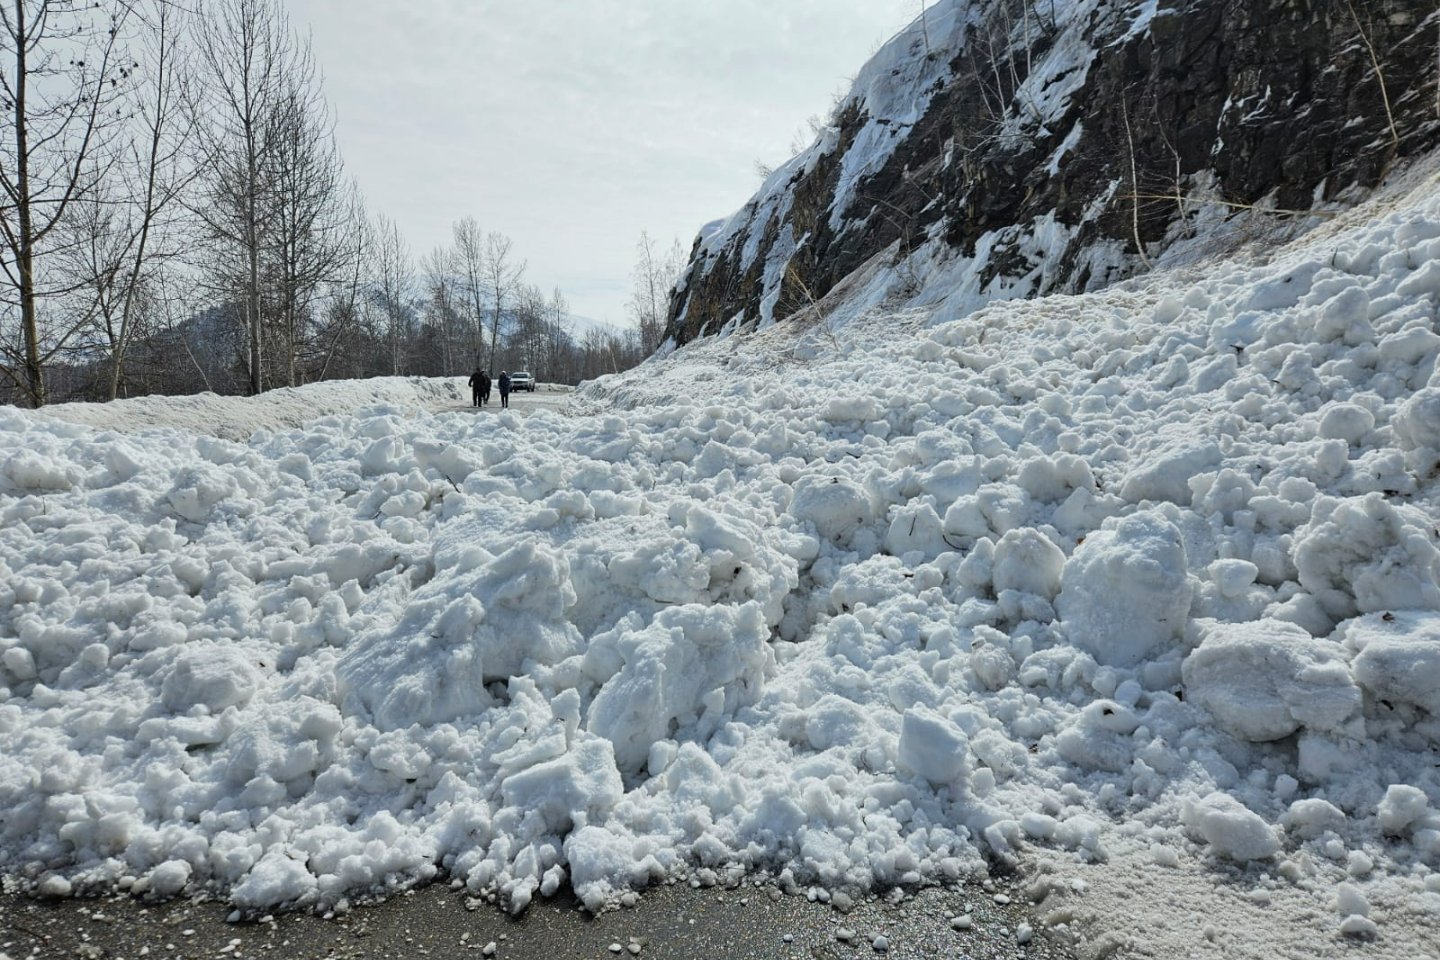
(522, 380)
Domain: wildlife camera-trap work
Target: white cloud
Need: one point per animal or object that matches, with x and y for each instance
(573, 125)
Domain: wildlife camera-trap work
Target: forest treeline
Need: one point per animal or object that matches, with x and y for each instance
(178, 217)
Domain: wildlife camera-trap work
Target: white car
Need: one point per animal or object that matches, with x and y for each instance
(522, 380)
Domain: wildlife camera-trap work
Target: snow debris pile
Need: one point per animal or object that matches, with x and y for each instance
(1151, 569)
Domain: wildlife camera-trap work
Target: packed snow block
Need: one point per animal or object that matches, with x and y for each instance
(1312, 817)
(1326, 758)
(279, 878)
(1099, 737)
(1051, 479)
(1125, 593)
(458, 632)
(933, 747)
(1397, 656)
(672, 571)
(1409, 345)
(212, 675)
(1229, 828)
(1284, 290)
(1401, 806)
(166, 879)
(1028, 561)
(598, 858)
(742, 565)
(1365, 554)
(577, 789)
(1417, 428)
(915, 528)
(657, 679)
(1165, 475)
(198, 489)
(1346, 421)
(1345, 318)
(29, 471)
(1265, 679)
(836, 507)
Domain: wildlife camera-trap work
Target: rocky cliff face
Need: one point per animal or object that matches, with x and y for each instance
(1012, 148)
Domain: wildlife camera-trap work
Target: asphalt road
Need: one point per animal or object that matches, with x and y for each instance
(675, 922)
(546, 395)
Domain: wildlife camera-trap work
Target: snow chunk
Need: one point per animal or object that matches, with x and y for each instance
(169, 878)
(1125, 593)
(212, 676)
(1397, 658)
(461, 631)
(1028, 561)
(837, 507)
(659, 679)
(1230, 828)
(1417, 427)
(1099, 738)
(1312, 817)
(1346, 421)
(1265, 679)
(1362, 554)
(1166, 475)
(28, 470)
(932, 747)
(576, 789)
(276, 879)
(198, 489)
(1401, 806)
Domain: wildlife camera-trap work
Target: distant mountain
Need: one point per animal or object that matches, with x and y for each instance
(580, 326)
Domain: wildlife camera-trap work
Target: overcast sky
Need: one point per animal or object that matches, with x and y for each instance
(573, 125)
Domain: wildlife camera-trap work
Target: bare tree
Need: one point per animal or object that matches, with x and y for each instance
(469, 264)
(502, 277)
(247, 56)
(392, 288)
(342, 314)
(310, 235)
(656, 274)
(558, 342)
(65, 72)
(445, 308)
(127, 227)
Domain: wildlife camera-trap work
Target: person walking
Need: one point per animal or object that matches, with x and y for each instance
(477, 387)
(484, 388)
(504, 389)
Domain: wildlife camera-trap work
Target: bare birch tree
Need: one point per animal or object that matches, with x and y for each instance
(64, 72)
(392, 288)
(309, 235)
(128, 227)
(246, 54)
(469, 265)
(655, 276)
(502, 276)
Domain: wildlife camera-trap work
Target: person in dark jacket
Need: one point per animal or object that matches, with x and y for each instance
(477, 388)
(484, 387)
(504, 389)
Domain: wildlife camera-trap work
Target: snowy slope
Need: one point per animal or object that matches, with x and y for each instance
(998, 150)
(1148, 577)
(237, 418)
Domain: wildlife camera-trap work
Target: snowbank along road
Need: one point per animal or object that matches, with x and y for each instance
(1141, 587)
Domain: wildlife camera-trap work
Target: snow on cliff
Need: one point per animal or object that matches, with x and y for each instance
(1146, 578)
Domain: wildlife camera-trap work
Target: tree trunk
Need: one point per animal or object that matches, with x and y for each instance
(34, 373)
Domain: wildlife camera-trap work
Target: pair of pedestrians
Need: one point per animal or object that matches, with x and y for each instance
(480, 388)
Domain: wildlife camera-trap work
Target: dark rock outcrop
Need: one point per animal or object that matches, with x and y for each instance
(1028, 147)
